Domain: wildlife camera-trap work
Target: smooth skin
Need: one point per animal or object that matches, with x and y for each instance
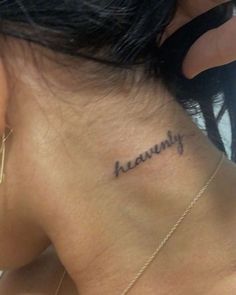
(60, 187)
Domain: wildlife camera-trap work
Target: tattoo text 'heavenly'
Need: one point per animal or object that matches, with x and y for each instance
(157, 149)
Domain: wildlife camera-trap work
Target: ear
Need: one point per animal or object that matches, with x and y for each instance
(4, 92)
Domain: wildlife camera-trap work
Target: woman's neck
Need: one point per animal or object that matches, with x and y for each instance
(118, 175)
(130, 186)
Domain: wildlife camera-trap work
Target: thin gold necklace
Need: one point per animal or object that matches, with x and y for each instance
(168, 236)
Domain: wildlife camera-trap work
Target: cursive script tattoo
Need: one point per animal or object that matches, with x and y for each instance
(157, 149)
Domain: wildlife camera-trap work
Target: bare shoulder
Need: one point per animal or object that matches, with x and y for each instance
(39, 277)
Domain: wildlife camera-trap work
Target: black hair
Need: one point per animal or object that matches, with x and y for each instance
(125, 33)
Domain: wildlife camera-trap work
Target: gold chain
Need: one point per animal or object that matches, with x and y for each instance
(3, 151)
(60, 283)
(168, 236)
